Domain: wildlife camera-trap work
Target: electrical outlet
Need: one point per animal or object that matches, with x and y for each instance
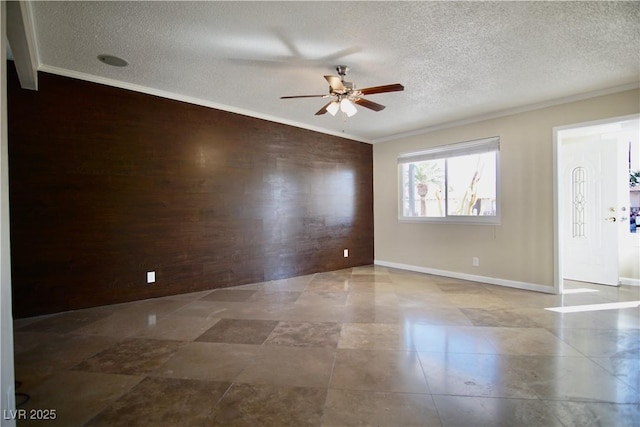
(475, 261)
(151, 277)
(346, 253)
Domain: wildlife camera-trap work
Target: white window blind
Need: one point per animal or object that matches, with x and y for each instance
(452, 150)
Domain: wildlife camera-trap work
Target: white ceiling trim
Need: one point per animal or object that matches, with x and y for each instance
(471, 61)
(192, 100)
(511, 111)
(421, 131)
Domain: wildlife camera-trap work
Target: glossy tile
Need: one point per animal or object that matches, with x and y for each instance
(63, 352)
(422, 296)
(133, 356)
(192, 296)
(256, 311)
(19, 324)
(628, 318)
(491, 412)
(361, 346)
(75, 397)
(498, 317)
(294, 366)
(65, 322)
(576, 379)
(229, 295)
(526, 341)
(486, 375)
(163, 402)
(314, 298)
(595, 414)
(460, 286)
(372, 297)
(239, 331)
(305, 334)
(298, 283)
(370, 269)
(206, 309)
(382, 336)
(208, 361)
(435, 316)
(305, 313)
(483, 301)
(627, 369)
(371, 286)
(371, 408)
(121, 324)
(448, 339)
(378, 370)
(370, 278)
(177, 328)
(371, 314)
(328, 285)
(25, 340)
(250, 405)
(157, 307)
(274, 297)
(603, 342)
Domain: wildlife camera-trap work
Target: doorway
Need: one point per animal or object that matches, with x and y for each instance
(591, 199)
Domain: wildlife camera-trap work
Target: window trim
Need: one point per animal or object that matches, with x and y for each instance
(477, 146)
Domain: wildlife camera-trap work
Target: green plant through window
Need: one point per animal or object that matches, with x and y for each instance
(457, 182)
(428, 176)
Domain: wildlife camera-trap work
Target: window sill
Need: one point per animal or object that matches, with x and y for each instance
(453, 221)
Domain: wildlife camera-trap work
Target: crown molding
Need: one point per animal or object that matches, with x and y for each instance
(192, 100)
(205, 103)
(511, 111)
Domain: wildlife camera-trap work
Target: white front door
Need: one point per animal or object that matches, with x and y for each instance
(595, 206)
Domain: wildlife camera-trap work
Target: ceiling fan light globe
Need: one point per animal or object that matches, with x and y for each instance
(348, 108)
(333, 108)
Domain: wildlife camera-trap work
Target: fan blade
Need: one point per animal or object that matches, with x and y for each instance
(396, 87)
(303, 96)
(323, 109)
(335, 83)
(369, 104)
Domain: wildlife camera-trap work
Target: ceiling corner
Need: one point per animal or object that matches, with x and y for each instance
(22, 40)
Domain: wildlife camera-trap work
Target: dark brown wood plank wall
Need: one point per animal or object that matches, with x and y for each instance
(107, 184)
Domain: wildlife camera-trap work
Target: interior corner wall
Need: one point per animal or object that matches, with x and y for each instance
(7, 376)
(107, 184)
(519, 251)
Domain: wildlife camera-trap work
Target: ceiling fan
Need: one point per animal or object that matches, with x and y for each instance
(344, 95)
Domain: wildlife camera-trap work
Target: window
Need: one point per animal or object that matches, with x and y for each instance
(451, 183)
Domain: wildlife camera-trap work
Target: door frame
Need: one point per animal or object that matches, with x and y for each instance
(558, 194)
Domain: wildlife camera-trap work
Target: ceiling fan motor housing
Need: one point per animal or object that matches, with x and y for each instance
(342, 70)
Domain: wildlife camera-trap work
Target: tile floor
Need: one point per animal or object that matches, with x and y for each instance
(362, 346)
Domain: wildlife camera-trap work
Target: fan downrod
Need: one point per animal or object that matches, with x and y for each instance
(342, 71)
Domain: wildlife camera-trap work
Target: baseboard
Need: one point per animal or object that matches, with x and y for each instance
(471, 277)
(628, 281)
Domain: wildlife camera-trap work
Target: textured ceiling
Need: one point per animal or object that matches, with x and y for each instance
(456, 60)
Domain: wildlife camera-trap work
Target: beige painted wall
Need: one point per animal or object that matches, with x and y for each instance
(520, 249)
